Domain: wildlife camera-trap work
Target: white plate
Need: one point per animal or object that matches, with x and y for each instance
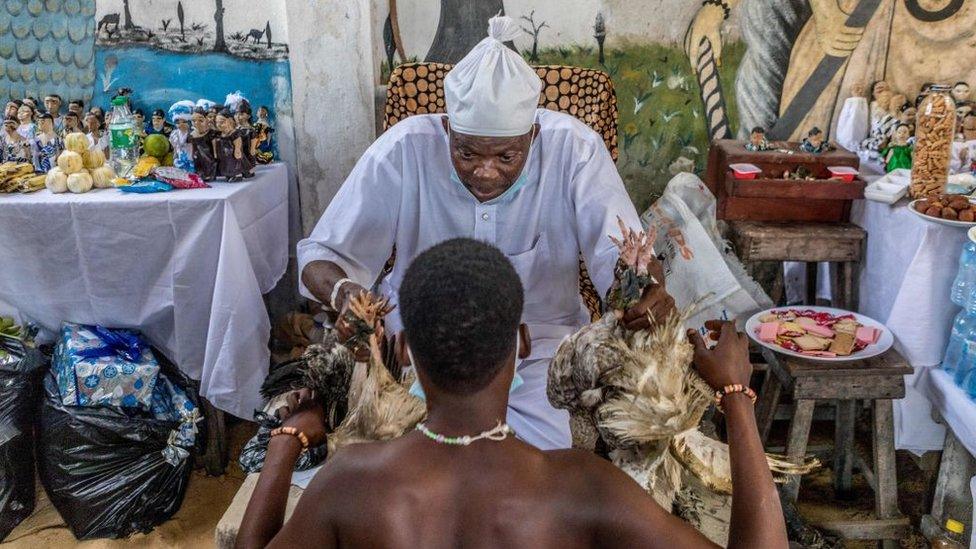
(884, 342)
(939, 220)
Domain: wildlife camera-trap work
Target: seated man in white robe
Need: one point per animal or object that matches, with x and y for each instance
(539, 185)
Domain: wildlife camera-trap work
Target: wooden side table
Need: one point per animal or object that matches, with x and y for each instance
(878, 380)
(839, 243)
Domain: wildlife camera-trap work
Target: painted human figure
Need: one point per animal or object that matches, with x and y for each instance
(961, 92)
(212, 113)
(179, 140)
(882, 122)
(815, 142)
(16, 148)
(46, 145)
(265, 149)
(250, 137)
(201, 141)
(158, 124)
(906, 116)
(757, 140)
(898, 153)
(52, 104)
(97, 136)
(25, 117)
(72, 124)
(229, 148)
(803, 54)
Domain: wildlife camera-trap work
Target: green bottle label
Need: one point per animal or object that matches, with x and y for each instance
(123, 138)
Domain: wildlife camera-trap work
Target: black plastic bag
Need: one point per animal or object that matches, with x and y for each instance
(104, 467)
(21, 367)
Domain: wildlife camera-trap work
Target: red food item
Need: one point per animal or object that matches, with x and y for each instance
(179, 179)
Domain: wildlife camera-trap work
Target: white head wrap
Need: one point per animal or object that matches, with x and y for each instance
(181, 110)
(493, 92)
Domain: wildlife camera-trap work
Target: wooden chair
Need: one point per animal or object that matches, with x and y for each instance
(587, 94)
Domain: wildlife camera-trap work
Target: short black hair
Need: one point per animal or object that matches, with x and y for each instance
(54, 95)
(461, 305)
(78, 102)
(71, 114)
(960, 83)
(160, 113)
(45, 116)
(814, 131)
(140, 112)
(759, 129)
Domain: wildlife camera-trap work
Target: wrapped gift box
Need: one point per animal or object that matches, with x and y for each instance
(97, 366)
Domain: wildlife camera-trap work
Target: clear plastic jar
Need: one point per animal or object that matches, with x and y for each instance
(934, 132)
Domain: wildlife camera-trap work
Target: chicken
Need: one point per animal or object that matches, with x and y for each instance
(636, 395)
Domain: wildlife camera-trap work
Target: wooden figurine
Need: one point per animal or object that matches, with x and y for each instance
(46, 145)
(815, 143)
(229, 148)
(249, 137)
(16, 148)
(961, 92)
(757, 140)
(898, 153)
(201, 140)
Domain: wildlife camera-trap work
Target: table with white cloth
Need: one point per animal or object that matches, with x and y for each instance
(188, 268)
(906, 277)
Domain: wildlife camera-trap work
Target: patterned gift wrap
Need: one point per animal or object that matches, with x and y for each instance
(96, 366)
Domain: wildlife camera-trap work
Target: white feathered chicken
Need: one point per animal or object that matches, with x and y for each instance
(636, 396)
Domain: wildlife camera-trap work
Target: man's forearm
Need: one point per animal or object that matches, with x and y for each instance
(320, 277)
(757, 517)
(265, 511)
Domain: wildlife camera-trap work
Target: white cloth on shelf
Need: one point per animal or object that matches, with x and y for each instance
(401, 193)
(188, 268)
(906, 277)
(853, 123)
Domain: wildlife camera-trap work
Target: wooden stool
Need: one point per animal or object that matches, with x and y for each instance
(840, 243)
(879, 380)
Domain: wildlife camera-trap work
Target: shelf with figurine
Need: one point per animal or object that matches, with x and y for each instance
(759, 180)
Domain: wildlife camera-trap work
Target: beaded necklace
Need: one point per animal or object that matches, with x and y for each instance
(498, 434)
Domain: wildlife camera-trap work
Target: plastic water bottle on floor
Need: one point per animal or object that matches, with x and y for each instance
(124, 144)
(957, 340)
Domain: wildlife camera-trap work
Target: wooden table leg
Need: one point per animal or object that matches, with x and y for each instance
(766, 406)
(796, 445)
(812, 267)
(849, 288)
(215, 455)
(844, 448)
(886, 493)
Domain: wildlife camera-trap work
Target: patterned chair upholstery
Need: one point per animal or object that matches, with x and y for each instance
(587, 94)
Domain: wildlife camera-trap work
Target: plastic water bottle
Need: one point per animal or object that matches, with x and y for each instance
(957, 339)
(124, 145)
(963, 344)
(966, 279)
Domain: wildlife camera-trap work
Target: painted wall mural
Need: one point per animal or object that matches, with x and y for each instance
(47, 47)
(686, 72)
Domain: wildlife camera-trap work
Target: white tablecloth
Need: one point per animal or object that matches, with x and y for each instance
(905, 281)
(188, 268)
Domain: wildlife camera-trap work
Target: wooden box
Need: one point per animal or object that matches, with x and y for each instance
(770, 197)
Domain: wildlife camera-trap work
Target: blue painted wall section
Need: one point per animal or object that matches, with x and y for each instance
(47, 46)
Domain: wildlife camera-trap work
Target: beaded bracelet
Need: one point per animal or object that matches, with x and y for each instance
(720, 3)
(731, 389)
(293, 432)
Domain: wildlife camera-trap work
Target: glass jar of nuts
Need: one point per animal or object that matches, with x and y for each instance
(935, 129)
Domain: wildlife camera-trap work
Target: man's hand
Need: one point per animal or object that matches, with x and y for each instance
(833, 34)
(303, 412)
(706, 24)
(655, 302)
(726, 364)
(344, 329)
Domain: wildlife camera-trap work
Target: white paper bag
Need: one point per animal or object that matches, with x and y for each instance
(699, 265)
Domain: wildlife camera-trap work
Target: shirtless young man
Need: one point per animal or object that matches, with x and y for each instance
(461, 303)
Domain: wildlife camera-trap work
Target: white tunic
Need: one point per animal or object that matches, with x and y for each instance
(401, 194)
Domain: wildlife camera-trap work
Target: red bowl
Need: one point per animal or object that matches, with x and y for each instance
(745, 171)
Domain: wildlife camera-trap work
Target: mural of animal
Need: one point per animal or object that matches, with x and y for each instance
(110, 23)
(255, 34)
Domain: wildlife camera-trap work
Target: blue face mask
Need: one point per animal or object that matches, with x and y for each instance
(520, 181)
(517, 381)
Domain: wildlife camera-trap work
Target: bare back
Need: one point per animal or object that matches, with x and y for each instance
(413, 492)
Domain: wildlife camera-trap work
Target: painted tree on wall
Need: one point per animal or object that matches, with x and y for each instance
(462, 25)
(128, 25)
(219, 43)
